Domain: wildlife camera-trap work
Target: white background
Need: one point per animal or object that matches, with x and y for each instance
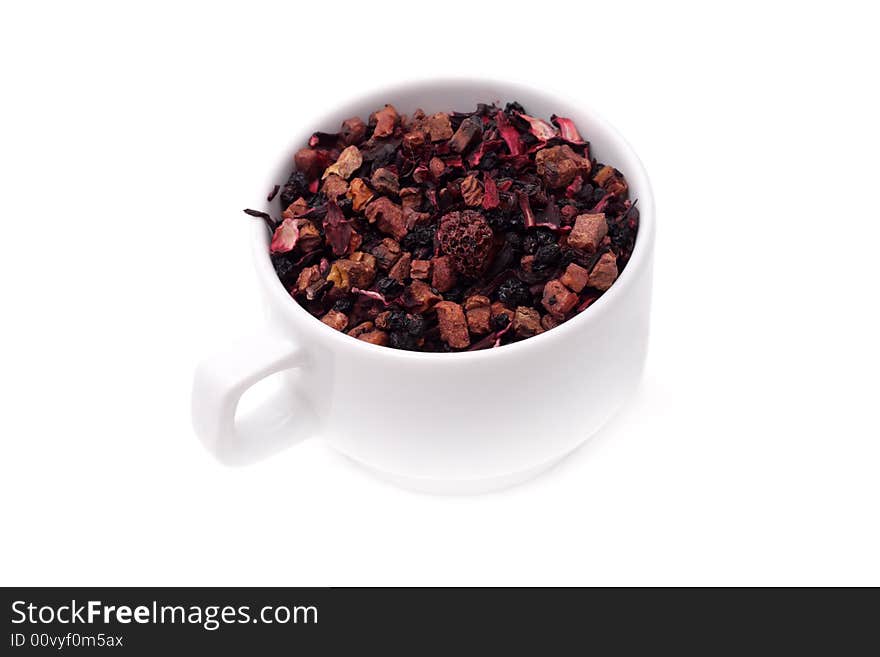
(131, 139)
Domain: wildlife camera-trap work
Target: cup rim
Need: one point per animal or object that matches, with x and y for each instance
(640, 258)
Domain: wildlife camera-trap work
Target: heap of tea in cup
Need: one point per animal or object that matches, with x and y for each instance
(452, 231)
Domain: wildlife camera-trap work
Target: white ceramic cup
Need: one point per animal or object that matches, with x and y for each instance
(460, 422)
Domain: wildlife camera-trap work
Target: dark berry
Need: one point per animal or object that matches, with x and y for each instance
(402, 340)
(344, 305)
(285, 268)
(547, 255)
(513, 292)
(499, 321)
(418, 236)
(389, 287)
(296, 186)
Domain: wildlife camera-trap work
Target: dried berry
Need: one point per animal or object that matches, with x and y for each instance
(450, 231)
(467, 238)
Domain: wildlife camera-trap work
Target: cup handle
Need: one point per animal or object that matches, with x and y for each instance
(222, 379)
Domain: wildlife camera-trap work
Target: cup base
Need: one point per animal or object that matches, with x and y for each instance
(461, 486)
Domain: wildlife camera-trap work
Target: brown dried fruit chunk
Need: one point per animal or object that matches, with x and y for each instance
(353, 131)
(499, 308)
(548, 322)
(558, 165)
(418, 297)
(604, 273)
(558, 299)
(386, 120)
(437, 167)
(306, 277)
(527, 322)
(375, 337)
(385, 181)
(308, 160)
(420, 269)
(478, 313)
(296, 209)
(382, 320)
(334, 186)
(360, 329)
(400, 271)
(443, 277)
(348, 162)
(470, 131)
(335, 319)
(387, 216)
(438, 126)
(467, 238)
(309, 235)
(588, 231)
(453, 325)
(575, 277)
(360, 267)
(339, 277)
(359, 194)
(472, 191)
(611, 180)
(386, 253)
(411, 198)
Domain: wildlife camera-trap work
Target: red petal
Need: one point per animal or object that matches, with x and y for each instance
(337, 229)
(490, 192)
(567, 130)
(539, 127)
(509, 134)
(285, 237)
(528, 215)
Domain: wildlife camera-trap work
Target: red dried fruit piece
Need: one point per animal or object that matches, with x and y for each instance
(386, 120)
(467, 238)
(420, 269)
(490, 193)
(385, 181)
(300, 207)
(311, 161)
(472, 191)
(387, 252)
(470, 131)
(353, 131)
(539, 127)
(558, 165)
(567, 130)
(575, 277)
(359, 194)
(479, 313)
(400, 271)
(438, 126)
(309, 236)
(453, 324)
(334, 187)
(346, 164)
(418, 297)
(285, 237)
(527, 322)
(588, 231)
(509, 134)
(604, 273)
(335, 319)
(558, 299)
(443, 276)
(388, 217)
(611, 180)
(337, 229)
(306, 278)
